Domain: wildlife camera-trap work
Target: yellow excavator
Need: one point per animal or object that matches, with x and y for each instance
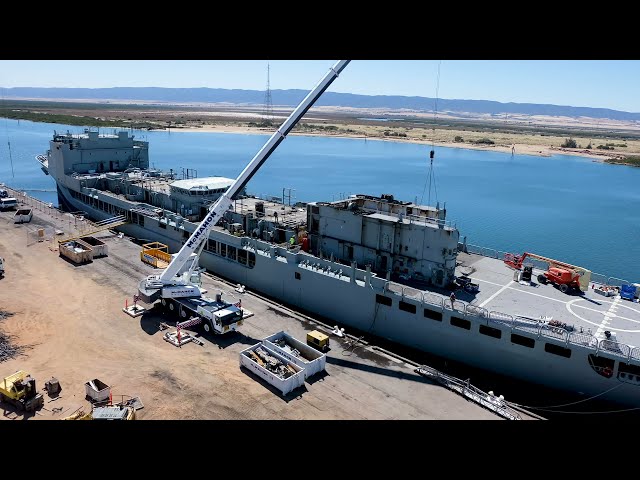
(20, 390)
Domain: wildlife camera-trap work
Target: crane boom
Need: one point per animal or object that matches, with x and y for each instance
(201, 233)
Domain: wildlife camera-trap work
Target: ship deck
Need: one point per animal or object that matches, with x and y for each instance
(587, 312)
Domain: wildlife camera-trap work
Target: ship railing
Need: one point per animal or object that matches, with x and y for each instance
(433, 299)
(458, 306)
(476, 310)
(617, 282)
(485, 251)
(614, 348)
(635, 353)
(526, 325)
(420, 220)
(599, 278)
(392, 287)
(554, 332)
(410, 292)
(583, 339)
(501, 318)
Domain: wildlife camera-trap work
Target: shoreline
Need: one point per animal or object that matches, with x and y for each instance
(518, 148)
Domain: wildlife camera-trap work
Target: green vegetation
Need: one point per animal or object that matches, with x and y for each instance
(71, 119)
(485, 141)
(605, 147)
(633, 160)
(569, 143)
(458, 139)
(389, 133)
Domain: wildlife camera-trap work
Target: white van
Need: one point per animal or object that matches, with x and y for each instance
(8, 203)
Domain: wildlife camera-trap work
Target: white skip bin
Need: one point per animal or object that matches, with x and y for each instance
(308, 358)
(23, 215)
(253, 358)
(97, 390)
(98, 247)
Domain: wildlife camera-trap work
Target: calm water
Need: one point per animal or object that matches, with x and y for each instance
(564, 207)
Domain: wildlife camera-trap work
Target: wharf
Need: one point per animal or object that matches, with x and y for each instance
(75, 330)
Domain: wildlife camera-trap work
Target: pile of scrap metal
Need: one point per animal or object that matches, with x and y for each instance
(283, 344)
(275, 366)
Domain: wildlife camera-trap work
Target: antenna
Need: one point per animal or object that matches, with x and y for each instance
(267, 112)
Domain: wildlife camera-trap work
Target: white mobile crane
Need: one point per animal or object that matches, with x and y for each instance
(176, 291)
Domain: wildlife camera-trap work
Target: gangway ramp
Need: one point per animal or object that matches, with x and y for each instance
(97, 227)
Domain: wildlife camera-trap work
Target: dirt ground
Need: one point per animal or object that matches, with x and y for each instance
(70, 321)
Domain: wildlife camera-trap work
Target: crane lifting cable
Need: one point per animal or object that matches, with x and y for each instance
(431, 178)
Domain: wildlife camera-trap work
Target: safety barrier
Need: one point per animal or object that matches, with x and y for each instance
(557, 333)
(476, 310)
(433, 299)
(583, 339)
(617, 282)
(409, 292)
(499, 317)
(614, 348)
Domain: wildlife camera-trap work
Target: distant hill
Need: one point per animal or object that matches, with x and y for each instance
(292, 97)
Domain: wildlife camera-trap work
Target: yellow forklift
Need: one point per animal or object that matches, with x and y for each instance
(20, 390)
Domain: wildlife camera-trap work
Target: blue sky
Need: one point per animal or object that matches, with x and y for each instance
(583, 83)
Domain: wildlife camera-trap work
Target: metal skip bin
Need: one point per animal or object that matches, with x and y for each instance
(309, 359)
(97, 390)
(274, 368)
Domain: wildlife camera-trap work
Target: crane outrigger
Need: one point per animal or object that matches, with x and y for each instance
(175, 289)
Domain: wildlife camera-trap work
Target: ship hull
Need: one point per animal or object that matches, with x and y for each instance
(284, 276)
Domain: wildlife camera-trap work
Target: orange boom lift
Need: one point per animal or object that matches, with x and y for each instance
(562, 275)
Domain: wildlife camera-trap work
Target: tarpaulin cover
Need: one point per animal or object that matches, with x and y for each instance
(627, 291)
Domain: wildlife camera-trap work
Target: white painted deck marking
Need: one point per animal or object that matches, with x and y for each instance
(612, 315)
(571, 304)
(568, 304)
(518, 290)
(504, 287)
(607, 318)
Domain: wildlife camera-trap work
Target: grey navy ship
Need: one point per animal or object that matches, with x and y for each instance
(374, 264)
